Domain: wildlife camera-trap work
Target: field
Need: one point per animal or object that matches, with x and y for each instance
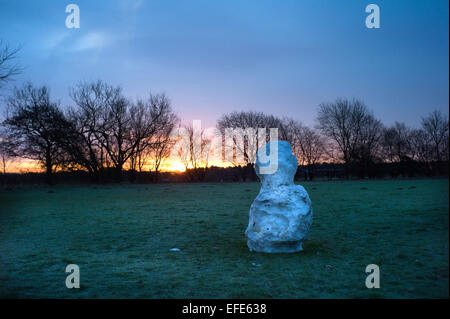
(121, 236)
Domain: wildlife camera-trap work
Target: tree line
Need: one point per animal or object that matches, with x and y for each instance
(347, 132)
(103, 131)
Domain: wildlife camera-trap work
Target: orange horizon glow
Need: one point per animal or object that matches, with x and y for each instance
(22, 166)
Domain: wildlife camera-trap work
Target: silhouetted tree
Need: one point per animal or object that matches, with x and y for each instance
(34, 126)
(162, 144)
(152, 122)
(291, 132)
(436, 127)
(397, 147)
(6, 151)
(396, 142)
(84, 148)
(312, 149)
(349, 124)
(243, 129)
(307, 145)
(191, 147)
(367, 153)
(8, 68)
(421, 149)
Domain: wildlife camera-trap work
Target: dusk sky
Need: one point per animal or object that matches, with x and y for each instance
(212, 57)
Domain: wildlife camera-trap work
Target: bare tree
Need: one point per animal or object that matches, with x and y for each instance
(396, 142)
(445, 150)
(34, 125)
(6, 151)
(140, 114)
(160, 148)
(83, 148)
(347, 124)
(246, 131)
(436, 127)
(312, 146)
(420, 148)
(367, 153)
(192, 148)
(292, 130)
(244, 128)
(152, 123)
(162, 143)
(112, 131)
(125, 129)
(307, 145)
(8, 68)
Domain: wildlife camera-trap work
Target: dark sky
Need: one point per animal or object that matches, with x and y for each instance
(211, 57)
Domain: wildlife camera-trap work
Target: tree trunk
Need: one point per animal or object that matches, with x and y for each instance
(119, 169)
(48, 166)
(49, 174)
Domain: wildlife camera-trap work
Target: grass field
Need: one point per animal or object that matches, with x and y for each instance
(121, 237)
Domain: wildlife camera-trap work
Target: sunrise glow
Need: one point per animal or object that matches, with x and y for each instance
(170, 165)
(174, 167)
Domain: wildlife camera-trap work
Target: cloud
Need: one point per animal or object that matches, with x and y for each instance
(92, 40)
(70, 41)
